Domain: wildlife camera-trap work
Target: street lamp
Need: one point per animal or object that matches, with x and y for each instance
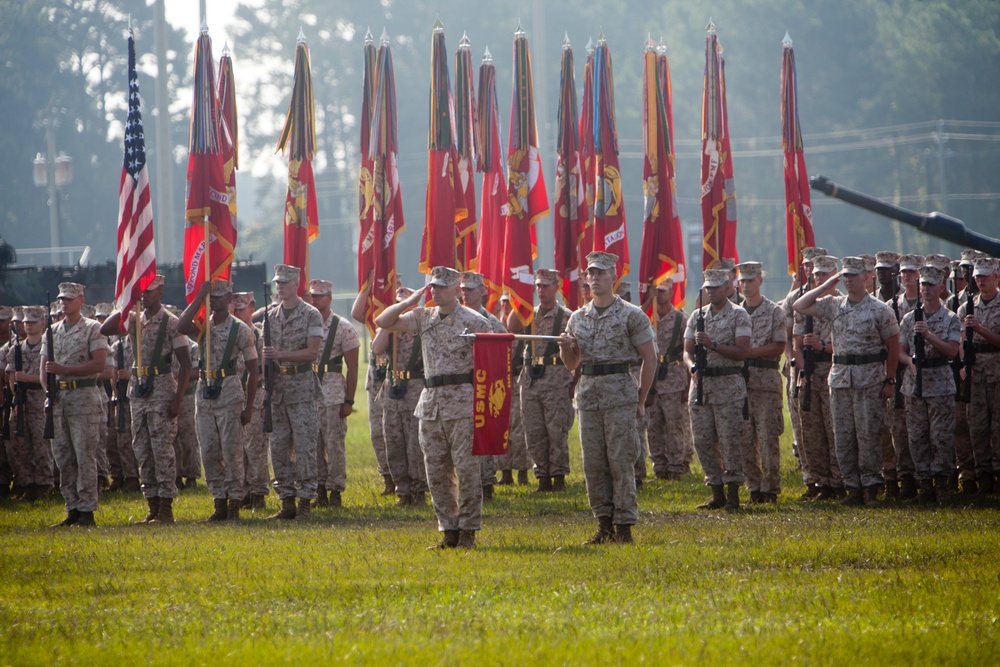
(52, 171)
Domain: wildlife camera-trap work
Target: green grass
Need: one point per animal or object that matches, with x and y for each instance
(793, 584)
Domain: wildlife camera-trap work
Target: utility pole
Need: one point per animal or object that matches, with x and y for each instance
(50, 173)
(165, 220)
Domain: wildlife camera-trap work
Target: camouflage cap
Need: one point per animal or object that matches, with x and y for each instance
(70, 291)
(724, 264)
(283, 273)
(242, 300)
(88, 311)
(984, 266)
(715, 277)
(17, 314)
(547, 277)
(810, 254)
(470, 280)
(825, 264)
(319, 287)
(956, 268)
(404, 292)
(605, 261)
(55, 307)
(6, 312)
(938, 261)
(853, 265)
(970, 256)
(869, 262)
(931, 275)
(34, 313)
(221, 288)
(910, 262)
(158, 281)
(750, 270)
(103, 309)
(624, 288)
(886, 259)
(443, 276)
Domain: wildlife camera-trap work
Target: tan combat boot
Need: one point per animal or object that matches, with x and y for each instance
(287, 511)
(221, 510)
(154, 507)
(305, 507)
(605, 531)
(718, 500)
(166, 512)
(449, 540)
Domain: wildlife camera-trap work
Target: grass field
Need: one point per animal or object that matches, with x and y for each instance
(803, 584)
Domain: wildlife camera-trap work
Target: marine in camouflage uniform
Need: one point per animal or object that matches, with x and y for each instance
(864, 332)
(222, 408)
(965, 460)
(296, 331)
(888, 291)
(816, 441)
(186, 449)
(641, 421)
(257, 471)
(155, 398)
(545, 385)
(6, 474)
(930, 416)
(374, 378)
(76, 358)
(517, 457)
(717, 424)
(984, 408)
(339, 348)
(793, 369)
(670, 444)
(473, 295)
(445, 405)
(766, 423)
(604, 339)
(36, 477)
(122, 466)
(399, 396)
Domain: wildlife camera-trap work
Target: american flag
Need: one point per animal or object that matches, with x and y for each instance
(136, 252)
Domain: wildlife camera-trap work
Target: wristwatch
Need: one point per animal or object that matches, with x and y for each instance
(889, 381)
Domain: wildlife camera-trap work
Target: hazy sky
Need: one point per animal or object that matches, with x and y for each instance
(184, 14)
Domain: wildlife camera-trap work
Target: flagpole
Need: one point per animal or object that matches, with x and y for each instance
(468, 334)
(207, 331)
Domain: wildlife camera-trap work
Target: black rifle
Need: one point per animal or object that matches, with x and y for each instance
(808, 367)
(20, 398)
(700, 355)
(268, 375)
(969, 358)
(8, 405)
(956, 363)
(897, 394)
(919, 353)
(121, 386)
(51, 386)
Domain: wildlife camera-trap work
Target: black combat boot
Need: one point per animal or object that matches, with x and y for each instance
(287, 511)
(233, 511)
(522, 478)
(559, 483)
(72, 516)
(221, 510)
(718, 500)
(165, 514)
(506, 477)
(86, 520)
(605, 531)
(154, 507)
(449, 540)
(623, 533)
(388, 486)
(908, 488)
(544, 485)
(732, 497)
(466, 539)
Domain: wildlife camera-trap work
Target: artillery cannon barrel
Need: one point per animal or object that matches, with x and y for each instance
(936, 224)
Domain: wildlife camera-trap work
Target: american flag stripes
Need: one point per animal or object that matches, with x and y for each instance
(136, 251)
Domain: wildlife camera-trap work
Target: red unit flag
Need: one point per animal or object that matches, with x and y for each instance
(136, 250)
(492, 385)
(466, 144)
(798, 209)
(366, 184)
(444, 210)
(586, 234)
(210, 235)
(387, 202)
(662, 255)
(489, 162)
(301, 218)
(718, 187)
(610, 233)
(527, 200)
(571, 204)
